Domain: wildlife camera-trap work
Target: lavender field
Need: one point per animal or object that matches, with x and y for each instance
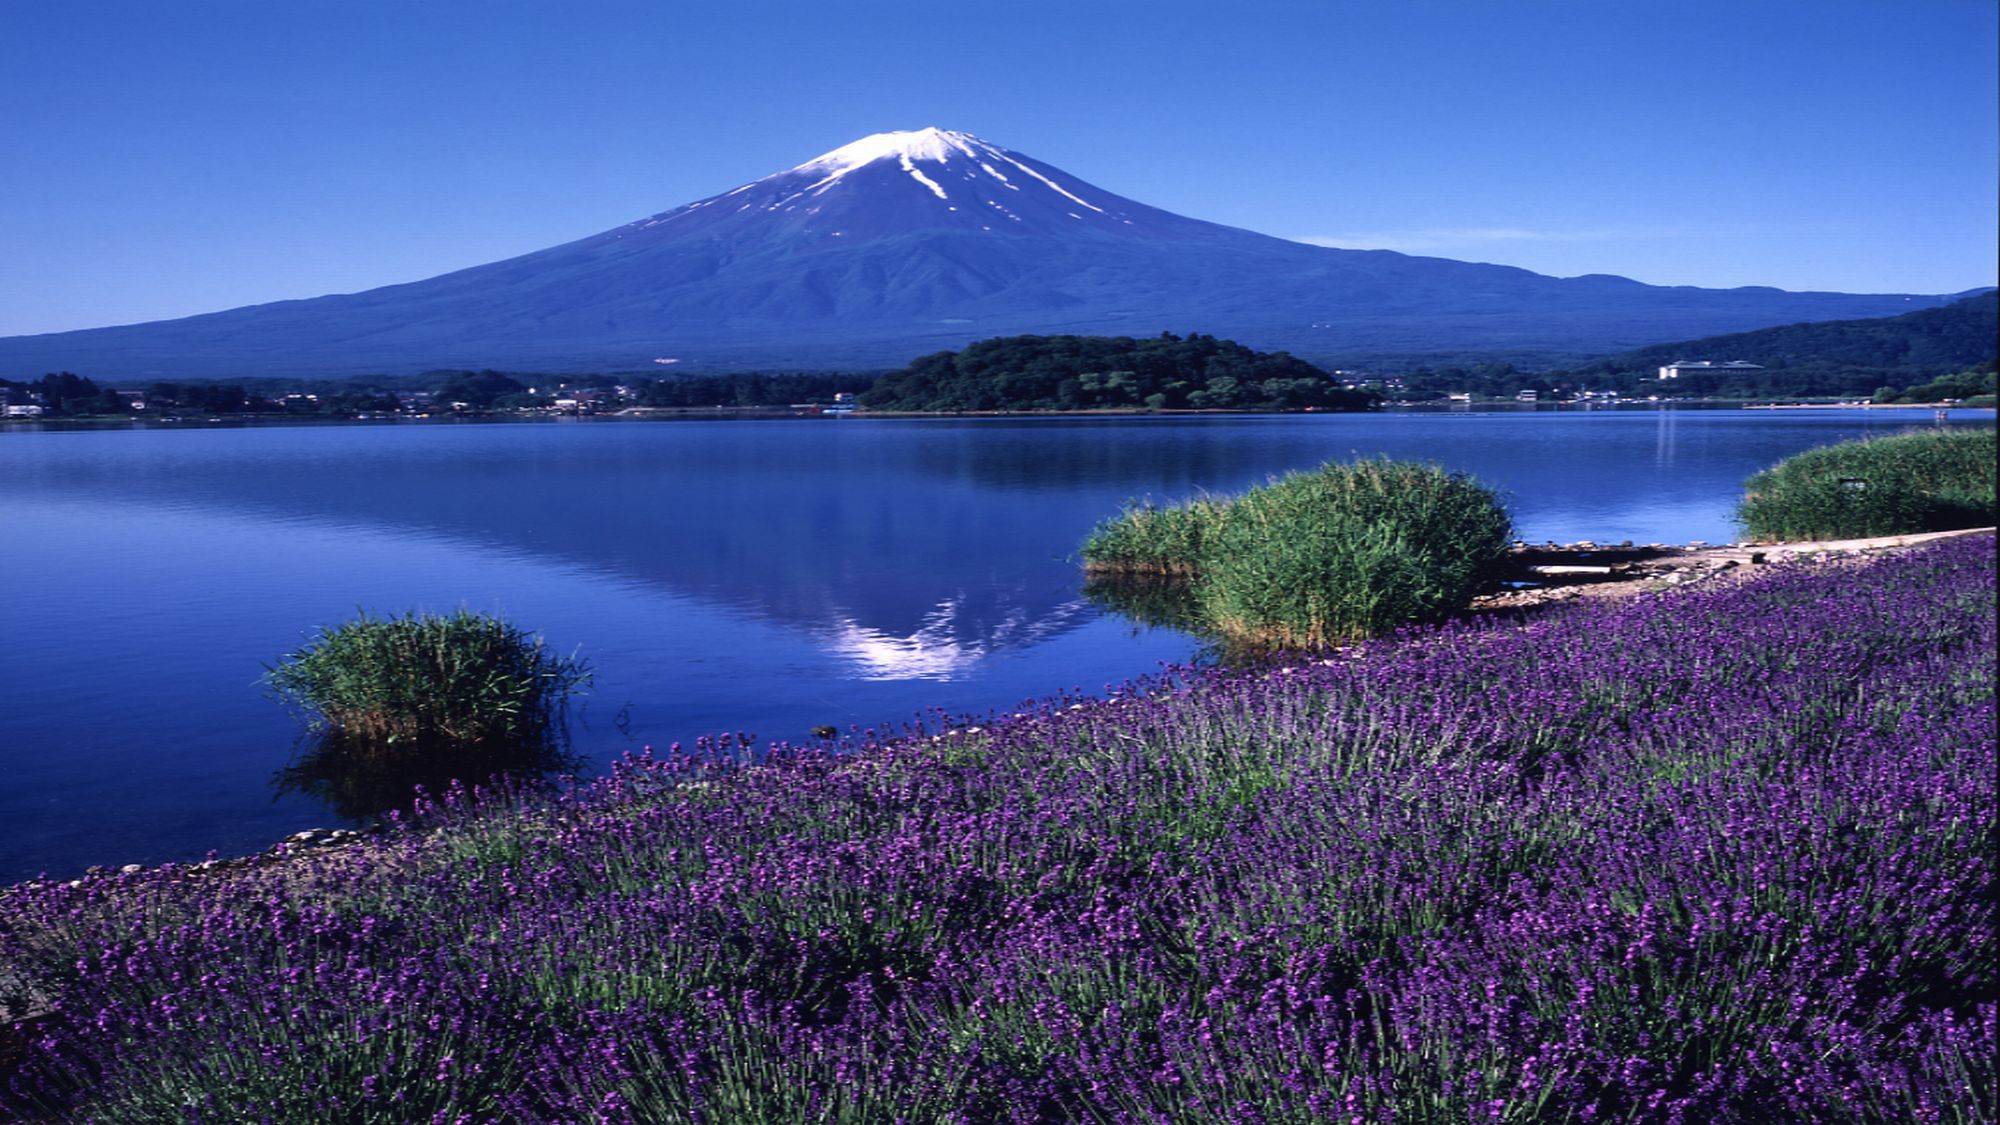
(1720, 855)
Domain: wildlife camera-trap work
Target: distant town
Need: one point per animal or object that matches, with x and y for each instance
(68, 396)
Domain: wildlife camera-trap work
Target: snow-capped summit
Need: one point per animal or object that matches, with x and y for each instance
(889, 183)
(908, 242)
(931, 143)
(931, 147)
(937, 146)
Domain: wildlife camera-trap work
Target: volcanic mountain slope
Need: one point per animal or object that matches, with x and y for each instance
(908, 242)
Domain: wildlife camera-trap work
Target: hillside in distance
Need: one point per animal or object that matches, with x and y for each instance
(1958, 335)
(1842, 357)
(905, 243)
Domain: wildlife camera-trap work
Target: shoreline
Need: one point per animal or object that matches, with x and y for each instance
(1566, 572)
(1581, 570)
(802, 411)
(1760, 405)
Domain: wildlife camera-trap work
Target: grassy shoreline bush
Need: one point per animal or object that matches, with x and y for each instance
(1151, 540)
(1314, 558)
(1931, 480)
(419, 683)
(1722, 855)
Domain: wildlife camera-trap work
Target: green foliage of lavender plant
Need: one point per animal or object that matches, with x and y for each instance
(420, 682)
(1343, 552)
(1933, 480)
(1720, 855)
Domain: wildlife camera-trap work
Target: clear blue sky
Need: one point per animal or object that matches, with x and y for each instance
(166, 157)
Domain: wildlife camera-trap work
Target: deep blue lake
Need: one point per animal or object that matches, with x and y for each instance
(756, 576)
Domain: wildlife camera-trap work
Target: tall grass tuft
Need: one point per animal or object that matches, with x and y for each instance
(421, 683)
(1934, 480)
(1147, 539)
(1349, 551)
(1342, 552)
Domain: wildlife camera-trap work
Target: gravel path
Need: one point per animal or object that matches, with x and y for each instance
(1559, 572)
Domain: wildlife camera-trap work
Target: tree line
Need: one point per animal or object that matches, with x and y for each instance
(1887, 357)
(1165, 372)
(65, 394)
(1841, 358)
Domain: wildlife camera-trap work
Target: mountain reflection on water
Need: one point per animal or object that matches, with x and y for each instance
(883, 541)
(949, 641)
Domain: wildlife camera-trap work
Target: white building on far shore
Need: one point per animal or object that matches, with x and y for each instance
(1706, 366)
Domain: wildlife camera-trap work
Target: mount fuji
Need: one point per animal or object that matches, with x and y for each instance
(908, 242)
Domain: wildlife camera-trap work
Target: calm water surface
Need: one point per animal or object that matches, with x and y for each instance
(765, 577)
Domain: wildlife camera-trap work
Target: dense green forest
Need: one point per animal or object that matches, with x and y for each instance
(487, 390)
(1842, 358)
(751, 388)
(1110, 372)
(503, 390)
(1964, 386)
(65, 394)
(62, 393)
(68, 395)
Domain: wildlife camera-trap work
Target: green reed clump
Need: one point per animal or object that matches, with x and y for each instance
(1342, 552)
(1933, 480)
(419, 682)
(1147, 539)
(1351, 550)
